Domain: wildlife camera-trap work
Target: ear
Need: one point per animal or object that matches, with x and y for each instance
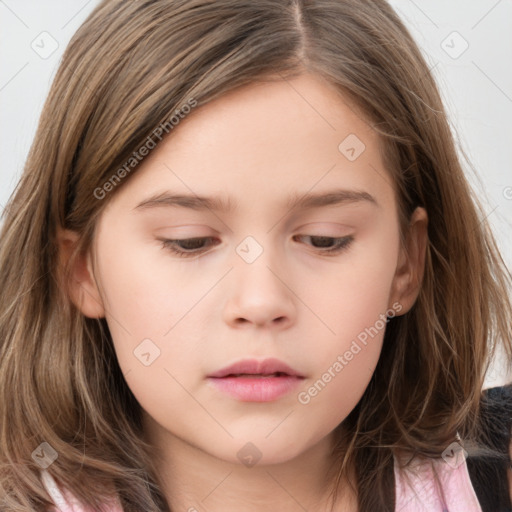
(80, 284)
(411, 262)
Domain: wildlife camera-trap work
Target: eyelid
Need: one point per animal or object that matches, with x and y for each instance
(170, 244)
(340, 244)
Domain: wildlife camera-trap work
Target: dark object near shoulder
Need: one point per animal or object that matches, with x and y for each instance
(489, 473)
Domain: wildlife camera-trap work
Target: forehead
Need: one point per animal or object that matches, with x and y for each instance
(272, 140)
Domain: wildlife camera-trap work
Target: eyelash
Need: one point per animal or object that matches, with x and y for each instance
(341, 244)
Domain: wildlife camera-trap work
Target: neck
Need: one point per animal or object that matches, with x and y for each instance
(193, 479)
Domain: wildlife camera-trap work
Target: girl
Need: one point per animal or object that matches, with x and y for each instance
(243, 270)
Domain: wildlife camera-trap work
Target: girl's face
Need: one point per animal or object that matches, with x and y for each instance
(298, 259)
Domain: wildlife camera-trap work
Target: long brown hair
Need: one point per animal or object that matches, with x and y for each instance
(127, 69)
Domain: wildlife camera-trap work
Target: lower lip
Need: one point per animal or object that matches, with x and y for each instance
(256, 389)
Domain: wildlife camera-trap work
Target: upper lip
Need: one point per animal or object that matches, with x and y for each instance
(255, 367)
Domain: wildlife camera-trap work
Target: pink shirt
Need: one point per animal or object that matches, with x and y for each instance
(455, 495)
(425, 496)
(64, 500)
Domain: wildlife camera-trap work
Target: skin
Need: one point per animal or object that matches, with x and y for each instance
(256, 145)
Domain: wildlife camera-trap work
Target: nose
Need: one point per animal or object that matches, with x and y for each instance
(260, 295)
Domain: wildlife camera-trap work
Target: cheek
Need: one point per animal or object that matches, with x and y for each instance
(353, 291)
(148, 306)
(354, 302)
(338, 387)
(345, 362)
(147, 298)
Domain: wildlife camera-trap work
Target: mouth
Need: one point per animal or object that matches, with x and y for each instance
(253, 367)
(256, 381)
(275, 374)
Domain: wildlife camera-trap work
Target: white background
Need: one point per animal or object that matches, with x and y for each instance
(476, 85)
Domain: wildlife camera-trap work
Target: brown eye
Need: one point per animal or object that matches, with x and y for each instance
(186, 246)
(328, 244)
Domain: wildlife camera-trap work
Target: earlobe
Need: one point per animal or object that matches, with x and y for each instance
(79, 282)
(411, 262)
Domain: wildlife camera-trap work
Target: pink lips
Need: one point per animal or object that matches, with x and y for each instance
(250, 380)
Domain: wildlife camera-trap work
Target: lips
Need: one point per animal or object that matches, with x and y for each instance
(254, 368)
(251, 380)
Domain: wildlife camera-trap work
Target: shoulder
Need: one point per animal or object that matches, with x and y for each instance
(53, 489)
(436, 484)
(459, 483)
(65, 501)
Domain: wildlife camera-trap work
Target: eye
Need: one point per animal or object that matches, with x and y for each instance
(328, 244)
(186, 246)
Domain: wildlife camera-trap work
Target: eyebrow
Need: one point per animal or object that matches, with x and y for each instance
(226, 205)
